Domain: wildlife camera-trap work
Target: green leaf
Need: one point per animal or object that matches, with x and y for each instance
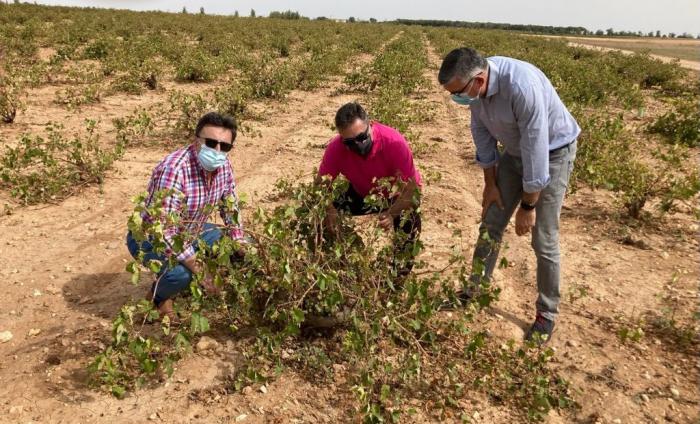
(385, 393)
(297, 316)
(118, 391)
(198, 323)
(155, 266)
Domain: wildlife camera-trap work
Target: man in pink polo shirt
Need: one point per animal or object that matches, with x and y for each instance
(365, 152)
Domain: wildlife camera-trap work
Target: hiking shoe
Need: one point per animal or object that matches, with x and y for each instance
(462, 296)
(541, 330)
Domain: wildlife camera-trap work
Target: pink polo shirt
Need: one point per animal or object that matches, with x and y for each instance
(390, 157)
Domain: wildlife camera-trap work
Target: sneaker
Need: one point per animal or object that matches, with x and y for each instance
(462, 296)
(541, 330)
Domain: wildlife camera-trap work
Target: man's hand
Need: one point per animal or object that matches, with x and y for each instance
(238, 255)
(524, 221)
(331, 221)
(386, 221)
(208, 285)
(407, 199)
(207, 282)
(491, 194)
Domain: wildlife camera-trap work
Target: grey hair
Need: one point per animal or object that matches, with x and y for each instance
(463, 62)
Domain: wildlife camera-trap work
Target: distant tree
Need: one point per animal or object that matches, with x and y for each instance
(285, 15)
(351, 19)
(540, 29)
(610, 32)
(671, 35)
(374, 21)
(252, 13)
(321, 18)
(201, 11)
(658, 34)
(599, 32)
(235, 14)
(184, 9)
(650, 34)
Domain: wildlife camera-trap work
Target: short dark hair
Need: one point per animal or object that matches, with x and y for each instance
(461, 62)
(349, 113)
(215, 119)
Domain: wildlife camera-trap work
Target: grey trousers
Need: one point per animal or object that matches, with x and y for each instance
(545, 234)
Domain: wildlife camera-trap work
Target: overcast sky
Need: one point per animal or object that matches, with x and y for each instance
(631, 15)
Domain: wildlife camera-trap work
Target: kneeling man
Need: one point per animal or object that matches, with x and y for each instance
(365, 152)
(197, 178)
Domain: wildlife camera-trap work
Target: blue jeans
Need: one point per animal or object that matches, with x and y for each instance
(172, 280)
(545, 234)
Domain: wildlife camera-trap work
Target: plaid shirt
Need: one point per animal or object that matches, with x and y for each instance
(193, 199)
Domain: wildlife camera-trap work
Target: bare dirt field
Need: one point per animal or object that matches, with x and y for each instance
(687, 51)
(64, 278)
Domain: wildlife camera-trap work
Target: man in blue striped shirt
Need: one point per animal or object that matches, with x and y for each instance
(514, 103)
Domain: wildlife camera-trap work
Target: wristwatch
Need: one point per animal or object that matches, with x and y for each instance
(526, 206)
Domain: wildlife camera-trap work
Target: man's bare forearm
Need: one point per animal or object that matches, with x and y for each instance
(490, 176)
(531, 198)
(191, 264)
(405, 199)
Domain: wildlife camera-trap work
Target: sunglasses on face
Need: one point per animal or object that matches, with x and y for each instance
(212, 143)
(358, 138)
(457, 93)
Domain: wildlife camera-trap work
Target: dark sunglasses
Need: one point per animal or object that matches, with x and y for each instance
(358, 138)
(456, 93)
(212, 143)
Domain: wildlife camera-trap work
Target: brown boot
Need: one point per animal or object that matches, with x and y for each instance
(166, 309)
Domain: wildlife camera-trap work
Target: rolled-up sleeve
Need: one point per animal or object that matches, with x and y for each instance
(486, 149)
(531, 114)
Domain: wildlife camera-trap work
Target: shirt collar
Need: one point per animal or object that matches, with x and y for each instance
(493, 78)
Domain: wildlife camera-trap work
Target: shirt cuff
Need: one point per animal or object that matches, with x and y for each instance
(488, 164)
(536, 185)
(186, 254)
(238, 235)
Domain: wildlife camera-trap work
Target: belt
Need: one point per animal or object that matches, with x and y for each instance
(562, 147)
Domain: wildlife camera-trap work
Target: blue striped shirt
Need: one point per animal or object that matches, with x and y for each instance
(522, 110)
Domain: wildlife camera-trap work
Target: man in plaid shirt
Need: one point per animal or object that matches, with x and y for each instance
(189, 184)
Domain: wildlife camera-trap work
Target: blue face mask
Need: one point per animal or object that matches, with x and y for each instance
(464, 100)
(211, 159)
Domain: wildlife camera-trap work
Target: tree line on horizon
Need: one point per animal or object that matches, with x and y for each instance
(542, 29)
